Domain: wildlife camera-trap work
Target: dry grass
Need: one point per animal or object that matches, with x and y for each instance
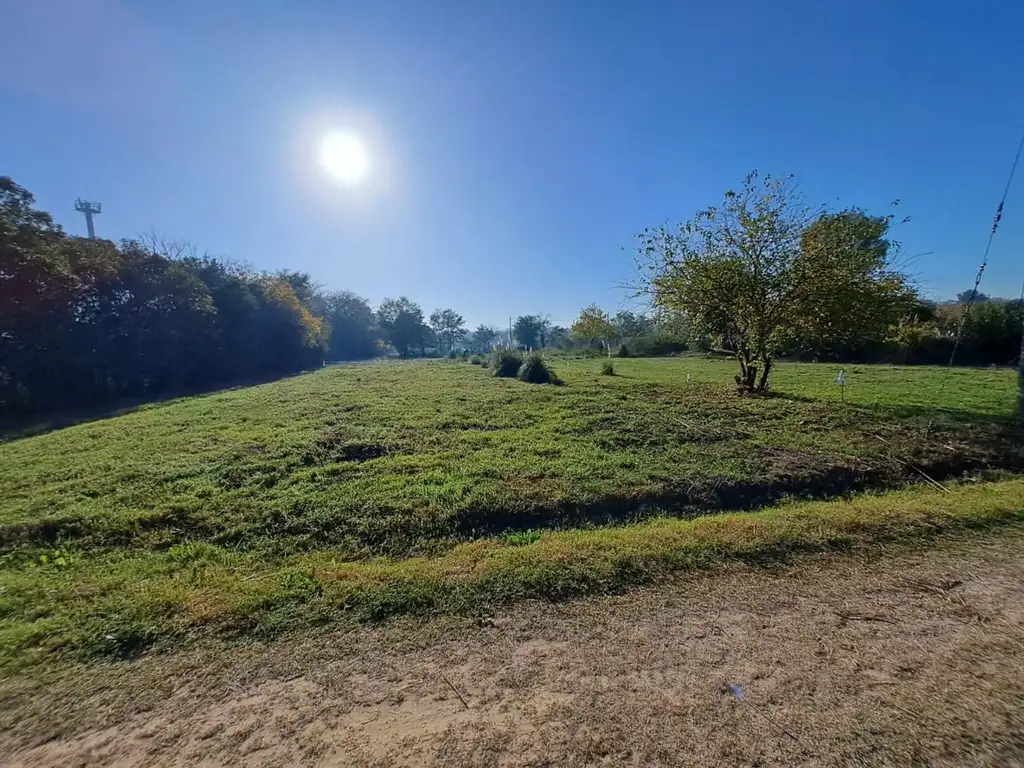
(936, 678)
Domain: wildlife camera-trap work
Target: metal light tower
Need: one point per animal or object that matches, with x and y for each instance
(89, 209)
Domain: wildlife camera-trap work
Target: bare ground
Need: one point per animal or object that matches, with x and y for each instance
(881, 659)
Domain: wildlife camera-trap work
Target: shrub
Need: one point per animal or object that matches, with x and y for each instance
(476, 360)
(505, 363)
(535, 371)
(622, 351)
(607, 368)
(452, 354)
(658, 345)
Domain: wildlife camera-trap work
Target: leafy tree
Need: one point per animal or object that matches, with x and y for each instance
(991, 332)
(352, 326)
(594, 326)
(483, 338)
(965, 296)
(86, 321)
(558, 337)
(401, 322)
(302, 285)
(529, 331)
(630, 325)
(448, 327)
(763, 271)
(544, 330)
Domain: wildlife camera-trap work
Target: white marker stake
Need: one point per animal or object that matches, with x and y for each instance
(841, 381)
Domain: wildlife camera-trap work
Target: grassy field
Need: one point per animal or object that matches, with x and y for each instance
(358, 492)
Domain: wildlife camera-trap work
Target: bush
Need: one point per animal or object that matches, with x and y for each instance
(535, 371)
(505, 363)
(607, 368)
(476, 360)
(452, 354)
(622, 351)
(658, 345)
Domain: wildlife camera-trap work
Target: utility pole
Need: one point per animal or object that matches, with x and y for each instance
(89, 209)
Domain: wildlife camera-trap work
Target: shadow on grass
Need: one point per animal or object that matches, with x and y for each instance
(916, 413)
(712, 497)
(14, 428)
(396, 533)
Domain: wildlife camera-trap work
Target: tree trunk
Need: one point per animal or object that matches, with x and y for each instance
(745, 382)
(766, 368)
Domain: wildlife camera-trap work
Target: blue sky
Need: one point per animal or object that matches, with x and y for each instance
(516, 147)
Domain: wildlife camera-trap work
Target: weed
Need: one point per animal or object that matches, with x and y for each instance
(505, 363)
(535, 371)
(521, 538)
(607, 368)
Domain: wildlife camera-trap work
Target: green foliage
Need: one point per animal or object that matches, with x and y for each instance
(630, 325)
(84, 322)
(535, 371)
(991, 333)
(607, 368)
(448, 327)
(558, 337)
(622, 351)
(352, 323)
(972, 295)
(483, 338)
(763, 271)
(530, 331)
(401, 322)
(476, 360)
(452, 354)
(505, 363)
(522, 538)
(594, 326)
(658, 346)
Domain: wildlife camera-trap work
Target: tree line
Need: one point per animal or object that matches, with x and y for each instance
(85, 322)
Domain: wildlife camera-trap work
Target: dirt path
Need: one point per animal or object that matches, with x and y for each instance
(914, 659)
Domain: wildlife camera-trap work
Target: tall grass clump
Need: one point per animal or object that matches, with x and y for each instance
(535, 371)
(505, 363)
(607, 368)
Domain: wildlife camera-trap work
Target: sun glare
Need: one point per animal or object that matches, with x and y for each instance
(344, 157)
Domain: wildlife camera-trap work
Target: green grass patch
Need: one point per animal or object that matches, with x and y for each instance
(220, 513)
(406, 459)
(116, 605)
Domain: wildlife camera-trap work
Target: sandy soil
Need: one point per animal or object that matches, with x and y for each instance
(908, 659)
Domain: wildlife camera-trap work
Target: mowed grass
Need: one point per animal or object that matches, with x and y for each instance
(358, 492)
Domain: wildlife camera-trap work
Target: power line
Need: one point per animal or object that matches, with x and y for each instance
(984, 262)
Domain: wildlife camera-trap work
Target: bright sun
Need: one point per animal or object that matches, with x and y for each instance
(344, 157)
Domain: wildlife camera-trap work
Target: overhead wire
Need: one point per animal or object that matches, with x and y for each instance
(984, 263)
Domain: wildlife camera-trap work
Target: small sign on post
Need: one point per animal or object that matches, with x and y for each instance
(841, 381)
